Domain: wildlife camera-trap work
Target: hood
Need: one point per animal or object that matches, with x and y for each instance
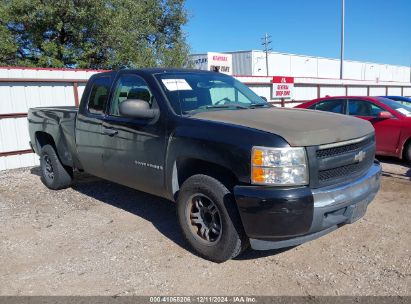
(299, 127)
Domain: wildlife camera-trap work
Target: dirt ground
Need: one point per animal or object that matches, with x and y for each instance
(99, 238)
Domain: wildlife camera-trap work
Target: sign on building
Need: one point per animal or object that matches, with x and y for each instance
(199, 62)
(283, 87)
(217, 62)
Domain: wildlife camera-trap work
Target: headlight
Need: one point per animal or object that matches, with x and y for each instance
(279, 166)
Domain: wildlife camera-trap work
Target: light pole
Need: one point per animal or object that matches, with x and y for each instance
(342, 40)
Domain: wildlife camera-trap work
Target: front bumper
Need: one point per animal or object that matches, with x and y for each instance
(281, 217)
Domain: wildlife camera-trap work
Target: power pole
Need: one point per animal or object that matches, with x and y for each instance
(342, 39)
(266, 43)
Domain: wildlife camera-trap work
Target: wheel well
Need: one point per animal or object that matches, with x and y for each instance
(407, 142)
(43, 138)
(189, 167)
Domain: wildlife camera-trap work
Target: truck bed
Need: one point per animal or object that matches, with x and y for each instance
(59, 122)
(60, 108)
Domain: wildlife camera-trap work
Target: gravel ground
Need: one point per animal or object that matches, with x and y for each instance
(99, 238)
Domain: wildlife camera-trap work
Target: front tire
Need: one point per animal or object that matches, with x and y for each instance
(54, 175)
(407, 153)
(209, 219)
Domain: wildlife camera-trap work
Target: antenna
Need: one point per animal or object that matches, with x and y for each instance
(266, 43)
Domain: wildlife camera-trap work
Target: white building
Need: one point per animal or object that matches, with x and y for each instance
(253, 63)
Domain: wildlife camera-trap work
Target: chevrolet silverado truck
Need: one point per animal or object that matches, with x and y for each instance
(241, 171)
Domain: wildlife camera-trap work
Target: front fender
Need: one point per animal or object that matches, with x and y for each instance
(225, 145)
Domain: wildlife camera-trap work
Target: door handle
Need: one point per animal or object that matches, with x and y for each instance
(110, 132)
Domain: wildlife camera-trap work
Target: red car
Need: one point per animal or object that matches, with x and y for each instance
(391, 120)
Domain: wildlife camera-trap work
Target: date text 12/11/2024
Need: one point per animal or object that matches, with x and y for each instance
(203, 299)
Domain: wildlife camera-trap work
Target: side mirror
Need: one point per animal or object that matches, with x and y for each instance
(137, 108)
(263, 98)
(385, 115)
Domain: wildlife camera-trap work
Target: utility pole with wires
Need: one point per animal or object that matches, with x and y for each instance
(266, 43)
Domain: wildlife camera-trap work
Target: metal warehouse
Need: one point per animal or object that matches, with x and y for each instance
(253, 63)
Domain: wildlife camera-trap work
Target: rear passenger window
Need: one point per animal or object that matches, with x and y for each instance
(99, 95)
(334, 105)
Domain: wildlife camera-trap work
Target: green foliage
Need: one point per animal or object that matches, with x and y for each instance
(93, 33)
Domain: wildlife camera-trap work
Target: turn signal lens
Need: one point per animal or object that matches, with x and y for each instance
(257, 175)
(257, 157)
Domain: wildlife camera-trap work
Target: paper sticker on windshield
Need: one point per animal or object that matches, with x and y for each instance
(176, 84)
(404, 111)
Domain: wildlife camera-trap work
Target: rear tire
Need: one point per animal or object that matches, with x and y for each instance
(54, 175)
(209, 219)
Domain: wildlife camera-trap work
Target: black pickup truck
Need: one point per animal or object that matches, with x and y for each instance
(241, 171)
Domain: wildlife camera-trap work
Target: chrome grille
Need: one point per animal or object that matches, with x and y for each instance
(347, 170)
(330, 152)
(340, 163)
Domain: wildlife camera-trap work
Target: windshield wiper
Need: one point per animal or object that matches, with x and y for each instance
(259, 105)
(223, 106)
(226, 106)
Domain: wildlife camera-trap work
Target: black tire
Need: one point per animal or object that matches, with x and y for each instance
(53, 174)
(407, 153)
(230, 240)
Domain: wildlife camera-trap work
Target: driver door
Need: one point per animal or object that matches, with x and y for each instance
(134, 149)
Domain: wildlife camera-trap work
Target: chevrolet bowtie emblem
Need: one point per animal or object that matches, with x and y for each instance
(359, 157)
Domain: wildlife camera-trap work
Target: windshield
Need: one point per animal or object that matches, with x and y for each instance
(396, 105)
(190, 93)
(402, 99)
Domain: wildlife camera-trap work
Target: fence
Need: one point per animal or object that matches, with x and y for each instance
(306, 88)
(23, 88)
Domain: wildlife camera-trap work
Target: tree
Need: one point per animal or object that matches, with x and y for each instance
(93, 33)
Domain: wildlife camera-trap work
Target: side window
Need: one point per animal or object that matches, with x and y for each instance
(99, 95)
(358, 107)
(130, 87)
(334, 105)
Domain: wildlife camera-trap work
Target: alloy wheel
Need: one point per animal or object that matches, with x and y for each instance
(203, 218)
